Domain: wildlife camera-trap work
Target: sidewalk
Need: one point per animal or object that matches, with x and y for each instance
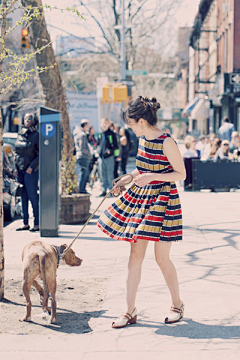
(209, 274)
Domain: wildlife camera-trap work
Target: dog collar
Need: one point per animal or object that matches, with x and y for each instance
(58, 253)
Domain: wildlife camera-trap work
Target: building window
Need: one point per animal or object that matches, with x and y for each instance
(8, 23)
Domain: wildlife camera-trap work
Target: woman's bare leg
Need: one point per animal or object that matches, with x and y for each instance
(162, 251)
(137, 254)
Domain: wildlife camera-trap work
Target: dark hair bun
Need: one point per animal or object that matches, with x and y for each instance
(155, 105)
(142, 107)
(149, 103)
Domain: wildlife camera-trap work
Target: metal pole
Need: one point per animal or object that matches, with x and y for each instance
(123, 45)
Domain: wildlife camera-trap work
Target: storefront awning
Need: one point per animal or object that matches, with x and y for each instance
(200, 111)
(187, 111)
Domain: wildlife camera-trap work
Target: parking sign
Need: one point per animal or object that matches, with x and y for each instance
(48, 129)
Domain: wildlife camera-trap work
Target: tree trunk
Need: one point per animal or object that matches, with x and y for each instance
(1, 218)
(51, 81)
(3, 31)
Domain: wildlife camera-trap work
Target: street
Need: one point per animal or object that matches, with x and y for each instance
(207, 261)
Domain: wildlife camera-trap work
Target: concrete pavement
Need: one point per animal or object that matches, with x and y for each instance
(207, 261)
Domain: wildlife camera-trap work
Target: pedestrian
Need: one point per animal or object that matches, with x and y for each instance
(108, 150)
(91, 137)
(27, 163)
(201, 144)
(223, 152)
(209, 139)
(225, 131)
(125, 147)
(150, 210)
(236, 153)
(83, 155)
(215, 145)
(234, 144)
(189, 143)
(117, 157)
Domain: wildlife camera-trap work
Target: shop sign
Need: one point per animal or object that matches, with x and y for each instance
(232, 84)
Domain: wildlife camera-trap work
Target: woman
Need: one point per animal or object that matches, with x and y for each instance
(26, 162)
(150, 210)
(91, 137)
(193, 147)
(190, 152)
(223, 152)
(236, 153)
(125, 148)
(215, 145)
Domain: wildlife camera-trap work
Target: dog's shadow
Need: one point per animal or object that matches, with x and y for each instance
(68, 321)
(71, 322)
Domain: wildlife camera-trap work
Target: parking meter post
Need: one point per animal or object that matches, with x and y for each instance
(49, 158)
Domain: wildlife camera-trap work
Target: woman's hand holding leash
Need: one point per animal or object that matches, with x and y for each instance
(119, 185)
(123, 181)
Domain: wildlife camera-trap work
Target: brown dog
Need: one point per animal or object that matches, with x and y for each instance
(41, 259)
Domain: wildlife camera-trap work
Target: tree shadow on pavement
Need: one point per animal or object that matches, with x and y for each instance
(194, 330)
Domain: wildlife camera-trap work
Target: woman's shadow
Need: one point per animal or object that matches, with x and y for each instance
(194, 330)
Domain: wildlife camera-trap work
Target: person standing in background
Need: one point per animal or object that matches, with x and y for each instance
(116, 128)
(225, 131)
(108, 151)
(26, 163)
(125, 148)
(83, 155)
(91, 137)
(201, 144)
(234, 144)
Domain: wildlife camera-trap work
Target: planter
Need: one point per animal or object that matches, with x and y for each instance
(75, 208)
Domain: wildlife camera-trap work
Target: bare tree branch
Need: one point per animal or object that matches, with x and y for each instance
(98, 23)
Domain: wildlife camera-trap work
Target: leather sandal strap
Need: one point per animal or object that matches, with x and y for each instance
(126, 316)
(177, 310)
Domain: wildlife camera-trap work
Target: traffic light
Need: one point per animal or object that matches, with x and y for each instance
(106, 94)
(120, 93)
(114, 93)
(25, 39)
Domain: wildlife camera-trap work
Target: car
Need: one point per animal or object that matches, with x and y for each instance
(10, 138)
(11, 203)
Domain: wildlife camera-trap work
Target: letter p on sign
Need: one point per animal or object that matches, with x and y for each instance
(48, 129)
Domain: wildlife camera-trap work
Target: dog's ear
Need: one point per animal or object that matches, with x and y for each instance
(62, 248)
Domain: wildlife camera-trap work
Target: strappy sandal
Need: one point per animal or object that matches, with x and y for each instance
(125, 319)
(175, 315)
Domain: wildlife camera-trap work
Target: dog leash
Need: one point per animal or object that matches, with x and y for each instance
(122, 188)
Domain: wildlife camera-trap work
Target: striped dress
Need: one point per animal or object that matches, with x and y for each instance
(152, 212)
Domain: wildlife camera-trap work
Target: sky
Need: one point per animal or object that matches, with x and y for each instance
(70, 23)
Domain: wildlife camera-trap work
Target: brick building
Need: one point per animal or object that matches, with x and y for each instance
(214, 65)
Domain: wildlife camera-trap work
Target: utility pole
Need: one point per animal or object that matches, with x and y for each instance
(123, 45)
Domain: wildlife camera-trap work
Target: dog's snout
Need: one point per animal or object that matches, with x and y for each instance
(77, 262)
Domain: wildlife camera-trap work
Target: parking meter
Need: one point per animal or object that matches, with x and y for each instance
(49, 158)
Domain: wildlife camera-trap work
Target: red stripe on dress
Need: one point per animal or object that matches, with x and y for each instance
(152, 156)
(168, 234)
(116, 214)
(173, 212)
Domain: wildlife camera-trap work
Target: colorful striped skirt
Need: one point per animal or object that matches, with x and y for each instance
(152, 212)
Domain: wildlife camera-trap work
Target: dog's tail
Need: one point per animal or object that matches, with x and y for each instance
(42, 261)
